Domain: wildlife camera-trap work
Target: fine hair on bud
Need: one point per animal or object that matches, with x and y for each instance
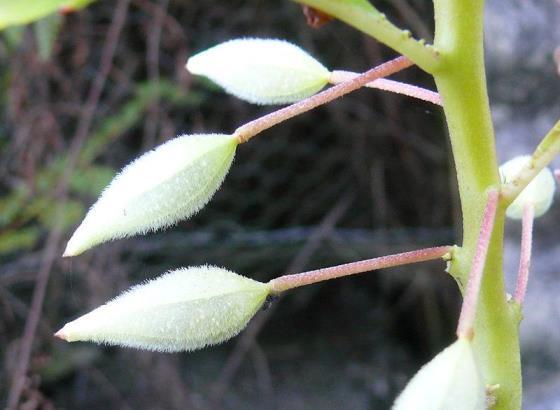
(539, 193)
(163, 186)
(185, 309)
(261, 71)
(451, 380)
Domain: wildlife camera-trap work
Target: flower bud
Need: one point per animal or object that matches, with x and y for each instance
(170, 183)
(539, 192)
(261, 71)
(185, 309)
(451, 380)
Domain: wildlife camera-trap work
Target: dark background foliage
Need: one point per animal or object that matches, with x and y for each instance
(364, 176)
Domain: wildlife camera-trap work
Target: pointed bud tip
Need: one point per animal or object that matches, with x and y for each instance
(61, 334)
(71, 249)
(191, 65)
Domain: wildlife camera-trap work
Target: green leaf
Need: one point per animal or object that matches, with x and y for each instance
(72, 212)
(18, 239)
(17, 12)
(91, 181)
(132, 113)
(26, 11)
(46, 31)
(11, 205)
(13, 36)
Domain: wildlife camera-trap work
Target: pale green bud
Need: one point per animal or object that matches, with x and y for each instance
(261, 71)
(539, 192)
(170, 183)
(450, 381)
(185, 309)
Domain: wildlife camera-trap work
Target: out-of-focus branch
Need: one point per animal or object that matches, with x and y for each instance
(53, 240)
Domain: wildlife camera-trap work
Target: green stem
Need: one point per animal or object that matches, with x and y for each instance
(366, 18)
(545, 152)
(461, 82)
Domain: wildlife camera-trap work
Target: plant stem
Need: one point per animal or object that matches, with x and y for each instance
(410, 90)
(525, 252)
(287, 282)
(366, 18)
(545, 152)
(461, 82)
(249, 130)
(470, 301)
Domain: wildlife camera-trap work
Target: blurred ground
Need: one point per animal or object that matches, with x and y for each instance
(362, 177)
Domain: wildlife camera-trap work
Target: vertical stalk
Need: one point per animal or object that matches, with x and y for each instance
(461, 82)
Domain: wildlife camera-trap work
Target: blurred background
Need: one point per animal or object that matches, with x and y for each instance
(85, 92)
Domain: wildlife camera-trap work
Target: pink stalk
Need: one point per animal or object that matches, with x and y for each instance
(557, 174)
(470, 301)
(249, 130)
(390, 85)
(287, 282)
(525, 254)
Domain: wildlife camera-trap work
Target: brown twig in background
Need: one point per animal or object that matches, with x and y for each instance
(152, 65)
(54, 238)
(413, 19)
(247, 339)
(263, 373)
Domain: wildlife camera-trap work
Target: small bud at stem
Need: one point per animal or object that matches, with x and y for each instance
(539, 192)
(451, 380)
(287, 282)
(61, 334)
(470, 300)
(249, 130)
(409, 90)
(525, 253)
(544, 153)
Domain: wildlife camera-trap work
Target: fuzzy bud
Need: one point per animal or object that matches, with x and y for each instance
(451, 380)
(163, 186)
(539, 192)
(185, 309)
(261, 71)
